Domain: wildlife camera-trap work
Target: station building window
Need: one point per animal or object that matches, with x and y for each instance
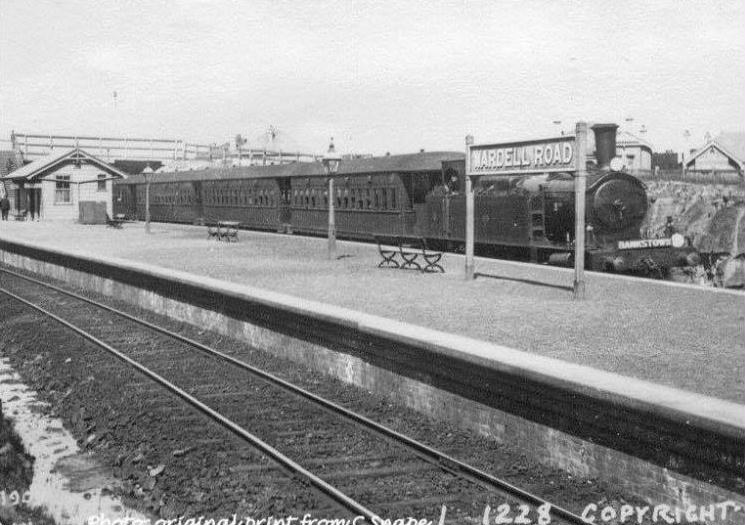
(62, 189)
(101, 184)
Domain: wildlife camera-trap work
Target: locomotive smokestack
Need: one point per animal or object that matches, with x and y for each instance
(605, 143)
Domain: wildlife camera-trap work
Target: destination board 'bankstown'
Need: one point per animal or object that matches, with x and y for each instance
(524, 157)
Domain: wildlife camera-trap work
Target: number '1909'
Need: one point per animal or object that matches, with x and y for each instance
(11, 499)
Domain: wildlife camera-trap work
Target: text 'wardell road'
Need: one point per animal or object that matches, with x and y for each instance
(545, 155)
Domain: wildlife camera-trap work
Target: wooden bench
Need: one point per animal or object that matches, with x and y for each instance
(409, 249)
(223, 231)
(228, 231)
(20, 215)
(213, 231)
(116, 222)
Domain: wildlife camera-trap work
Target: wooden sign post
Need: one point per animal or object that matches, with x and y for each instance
(470, 263)
(565, 154)
(580, 189)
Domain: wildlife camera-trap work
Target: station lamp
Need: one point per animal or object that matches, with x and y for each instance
(331, 161)
(148, 174)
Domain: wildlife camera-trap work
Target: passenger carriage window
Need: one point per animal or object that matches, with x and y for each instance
(346, 198)
(325, 198)
(393, 198)
(368, 199)
(338, 197)
(384, 198)
(313, 198)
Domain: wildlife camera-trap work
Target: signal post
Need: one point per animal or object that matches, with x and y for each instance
(559, 154)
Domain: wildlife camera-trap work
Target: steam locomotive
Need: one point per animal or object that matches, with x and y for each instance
(422, 195)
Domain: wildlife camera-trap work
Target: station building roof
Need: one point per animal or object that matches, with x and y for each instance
(407, 163)
(51, 163)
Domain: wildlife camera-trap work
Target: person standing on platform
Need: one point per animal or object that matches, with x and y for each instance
(4, 207)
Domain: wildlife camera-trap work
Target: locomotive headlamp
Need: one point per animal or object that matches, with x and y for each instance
(616, 164)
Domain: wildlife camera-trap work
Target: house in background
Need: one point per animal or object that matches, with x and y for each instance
(723, 155)
(635, 152)
(67, 185)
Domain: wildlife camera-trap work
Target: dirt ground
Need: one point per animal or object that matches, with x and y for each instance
(680, 336)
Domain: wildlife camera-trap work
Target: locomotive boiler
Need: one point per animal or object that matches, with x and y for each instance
(532, 217)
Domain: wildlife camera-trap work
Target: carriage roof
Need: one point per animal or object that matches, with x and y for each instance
(408, 163)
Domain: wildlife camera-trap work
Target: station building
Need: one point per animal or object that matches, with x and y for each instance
(723, 155)
(67, 185)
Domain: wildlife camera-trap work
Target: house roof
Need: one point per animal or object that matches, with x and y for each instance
(626, 139)
(50, 163)
(734, 142)
(732, 145)
(408, 163)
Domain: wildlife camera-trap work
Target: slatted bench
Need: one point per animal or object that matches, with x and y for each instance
(409, 249)
(388, 252)
(116, 222)
(228, 230)
(213, 231)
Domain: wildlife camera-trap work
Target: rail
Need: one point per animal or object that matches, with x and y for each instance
(441, 460)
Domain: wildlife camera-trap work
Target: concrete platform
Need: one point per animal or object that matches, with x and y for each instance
(671, 334)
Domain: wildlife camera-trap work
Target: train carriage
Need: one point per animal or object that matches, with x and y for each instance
(419, 194)
(363, 205)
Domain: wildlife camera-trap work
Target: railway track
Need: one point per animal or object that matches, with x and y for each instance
(361, 468)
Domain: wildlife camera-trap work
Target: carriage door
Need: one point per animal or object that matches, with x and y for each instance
(285, 212)
(198, 202)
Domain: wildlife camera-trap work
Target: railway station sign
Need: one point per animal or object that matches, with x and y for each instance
(567, 153)
(516, 158)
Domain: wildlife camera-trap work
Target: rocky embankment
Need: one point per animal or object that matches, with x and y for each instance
(712, 217)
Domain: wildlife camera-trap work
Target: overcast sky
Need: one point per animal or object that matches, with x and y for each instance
(378, 76)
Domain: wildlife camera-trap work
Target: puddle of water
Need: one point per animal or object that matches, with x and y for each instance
(66, 482)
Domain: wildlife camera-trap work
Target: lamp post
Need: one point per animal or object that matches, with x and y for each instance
(148, 173)
(331, 161)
